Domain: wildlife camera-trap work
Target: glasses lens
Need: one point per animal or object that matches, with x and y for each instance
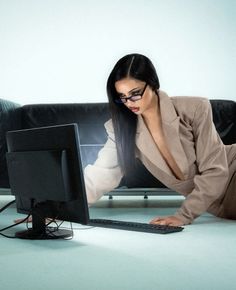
(135, 98)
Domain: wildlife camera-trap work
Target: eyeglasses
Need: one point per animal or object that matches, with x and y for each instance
(135, 97)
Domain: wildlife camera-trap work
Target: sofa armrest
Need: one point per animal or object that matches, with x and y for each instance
(224, 117)
(10, 119)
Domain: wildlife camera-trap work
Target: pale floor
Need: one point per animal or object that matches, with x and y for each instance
(202, 257)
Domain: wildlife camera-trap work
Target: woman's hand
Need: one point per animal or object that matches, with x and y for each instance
(28, 220)
(169, 221)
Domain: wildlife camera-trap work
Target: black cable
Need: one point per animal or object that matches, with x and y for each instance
(72, 231)
(6, 236)
(7, 205)
(1, 230)
(54, 220)
(12, 237)
(11, 226)
(50, 230)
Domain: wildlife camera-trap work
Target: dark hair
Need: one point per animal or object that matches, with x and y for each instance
(139, 67)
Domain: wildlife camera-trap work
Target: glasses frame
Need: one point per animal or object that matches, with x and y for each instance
(125, 99)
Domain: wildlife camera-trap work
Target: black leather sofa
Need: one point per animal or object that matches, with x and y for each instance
(90, 118)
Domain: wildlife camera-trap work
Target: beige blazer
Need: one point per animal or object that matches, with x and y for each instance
(209, 166)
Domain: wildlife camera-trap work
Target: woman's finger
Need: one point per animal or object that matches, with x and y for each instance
(156, 219)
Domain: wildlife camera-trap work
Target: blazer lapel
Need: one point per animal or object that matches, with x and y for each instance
(147, 146)
(171, 125)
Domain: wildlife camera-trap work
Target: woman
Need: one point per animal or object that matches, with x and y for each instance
(175, 139)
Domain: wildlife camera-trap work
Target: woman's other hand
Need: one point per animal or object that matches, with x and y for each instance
(21, 220)
(169, 221)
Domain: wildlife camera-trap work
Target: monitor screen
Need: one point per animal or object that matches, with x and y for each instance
(46, 176)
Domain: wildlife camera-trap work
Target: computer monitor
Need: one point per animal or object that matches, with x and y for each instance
(46, 176)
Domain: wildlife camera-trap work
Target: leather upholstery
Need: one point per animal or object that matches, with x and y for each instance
(224, 117)
(89, 117)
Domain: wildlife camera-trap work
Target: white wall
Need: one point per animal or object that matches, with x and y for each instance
(63, 50)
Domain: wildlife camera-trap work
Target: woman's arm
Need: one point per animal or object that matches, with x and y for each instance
(212, 166)
(105, 174)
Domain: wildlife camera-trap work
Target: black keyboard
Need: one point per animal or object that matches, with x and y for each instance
(134, 226)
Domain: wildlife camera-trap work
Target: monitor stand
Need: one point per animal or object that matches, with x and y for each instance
(40, 231)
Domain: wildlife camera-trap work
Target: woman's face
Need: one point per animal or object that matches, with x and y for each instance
(132, 87)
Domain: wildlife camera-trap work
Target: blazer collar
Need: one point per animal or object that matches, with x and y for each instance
(167, 109)
(170, 123)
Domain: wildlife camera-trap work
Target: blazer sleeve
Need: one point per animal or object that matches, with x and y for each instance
(105, 174)
(212, 164)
